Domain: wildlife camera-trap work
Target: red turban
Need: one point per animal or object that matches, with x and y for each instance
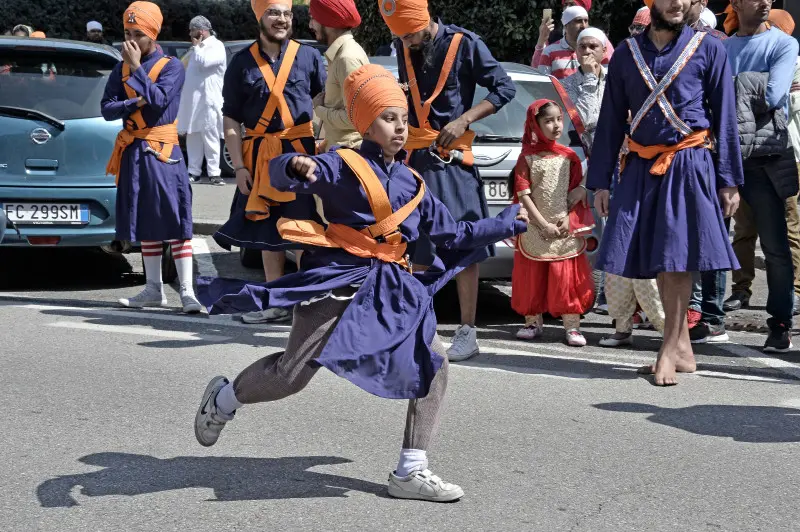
(642, 17)
(405, 16)
(340, 14)
(144, 16)
(585, 4)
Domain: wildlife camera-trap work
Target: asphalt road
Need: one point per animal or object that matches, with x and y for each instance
(99, 405)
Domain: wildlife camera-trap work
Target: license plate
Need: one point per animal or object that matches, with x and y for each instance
(496, 190)
(47, 213)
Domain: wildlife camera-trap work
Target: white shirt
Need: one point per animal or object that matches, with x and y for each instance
(201, 99)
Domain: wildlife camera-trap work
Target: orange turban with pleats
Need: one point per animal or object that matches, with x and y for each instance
(144, 16)
(405, 16)
(369, 91)
(260, 6)
(38, 35)
(782, 20)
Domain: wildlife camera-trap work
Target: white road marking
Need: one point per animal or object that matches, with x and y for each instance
(139, 331)
(203, 259)
(759, 357)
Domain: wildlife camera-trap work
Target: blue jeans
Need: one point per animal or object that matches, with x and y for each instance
(708, 294)
(769, 212)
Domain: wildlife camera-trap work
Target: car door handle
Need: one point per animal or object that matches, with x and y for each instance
(41, 164)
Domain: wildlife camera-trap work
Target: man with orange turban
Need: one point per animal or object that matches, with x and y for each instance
(441, 64)
(154, 199)
(332, 22)
(759, 46)
(676, 187)
(268, 89)
(358, 309)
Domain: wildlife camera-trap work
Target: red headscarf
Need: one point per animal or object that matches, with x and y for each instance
(341, 14)
(534, 142)
(585, 4)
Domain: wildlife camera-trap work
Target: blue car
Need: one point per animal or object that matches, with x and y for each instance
(54, 145)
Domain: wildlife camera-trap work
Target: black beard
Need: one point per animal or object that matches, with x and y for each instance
(269, 37)
(658, 21)
(427, 50)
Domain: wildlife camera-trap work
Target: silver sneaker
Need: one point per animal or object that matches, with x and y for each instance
(152, 296)
(190, 303)
(465, 344)
(423, 486)
(270, 315)
(209, 422)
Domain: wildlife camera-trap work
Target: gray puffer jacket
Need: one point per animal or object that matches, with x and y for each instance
(762, 132)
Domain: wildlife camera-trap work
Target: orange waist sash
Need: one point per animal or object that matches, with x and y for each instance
(162, 140)
(664, 154)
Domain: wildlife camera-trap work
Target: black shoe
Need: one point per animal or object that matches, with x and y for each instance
(779, 340)
(707, 333)
(194, 178)
(737, 301)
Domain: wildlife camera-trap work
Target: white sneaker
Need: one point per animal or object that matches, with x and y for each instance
(190, 303)
(209, 422)
(423, 486)
(575, 338)
(529, 332)
(465, 344)
(152, 296)
(270, 315)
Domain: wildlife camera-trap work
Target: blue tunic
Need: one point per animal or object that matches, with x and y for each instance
(154, 199)
(670, 223)
(382, 342)
(459, 187)
(245, 94)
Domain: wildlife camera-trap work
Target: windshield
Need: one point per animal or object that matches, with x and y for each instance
(60, 83)
(510, 120)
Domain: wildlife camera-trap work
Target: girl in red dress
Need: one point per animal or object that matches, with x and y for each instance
(551, 272)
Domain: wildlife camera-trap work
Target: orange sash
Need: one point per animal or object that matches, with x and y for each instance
(362, 243)
(263, 194)
(422, 137)
(664, 154)
(162, 139)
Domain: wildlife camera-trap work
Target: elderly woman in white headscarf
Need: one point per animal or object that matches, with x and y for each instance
(200, 115)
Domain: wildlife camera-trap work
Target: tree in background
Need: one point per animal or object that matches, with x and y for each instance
(509, 27)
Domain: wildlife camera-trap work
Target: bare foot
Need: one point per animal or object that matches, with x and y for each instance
(685, 363)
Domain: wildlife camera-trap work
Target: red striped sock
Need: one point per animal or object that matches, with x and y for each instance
(182, 253)
(151, 256)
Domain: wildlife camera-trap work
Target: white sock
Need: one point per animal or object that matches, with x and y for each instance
(151, 256)
(226, 400)
(411, 460)
(182, 253)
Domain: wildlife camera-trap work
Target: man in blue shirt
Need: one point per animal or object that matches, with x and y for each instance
(757, 47)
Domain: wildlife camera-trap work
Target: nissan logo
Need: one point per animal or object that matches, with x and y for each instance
(40, 135)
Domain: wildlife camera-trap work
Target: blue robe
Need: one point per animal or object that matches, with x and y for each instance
(154, 199)
(459, 187)
(245, 95)
(670, 223)
(382, 342)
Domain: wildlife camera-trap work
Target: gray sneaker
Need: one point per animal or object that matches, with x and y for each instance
(423, 486)
(209, 422)
(270, 315)
(152, 296)
(190, 303)
(465, 344)
(218, 181)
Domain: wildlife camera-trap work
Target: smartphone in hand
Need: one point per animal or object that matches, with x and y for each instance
(547, 14)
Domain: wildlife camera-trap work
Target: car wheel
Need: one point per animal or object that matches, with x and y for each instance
(169, 271)
(225, 162)
(250, 258)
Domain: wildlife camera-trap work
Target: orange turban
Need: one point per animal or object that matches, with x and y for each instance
(260, 6)
(731, 23)
(369, 91)
(649, 4)
(38, 35)
(405, 16)
(143, 16)
(782, 20)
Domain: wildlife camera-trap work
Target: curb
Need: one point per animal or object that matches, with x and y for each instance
(206, 227)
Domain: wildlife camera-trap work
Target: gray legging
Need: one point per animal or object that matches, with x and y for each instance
(282, 374)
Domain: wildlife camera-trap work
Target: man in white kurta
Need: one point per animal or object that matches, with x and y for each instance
(200, 115)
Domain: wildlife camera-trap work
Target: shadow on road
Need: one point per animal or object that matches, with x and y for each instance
(750, 424)
(64, 269)
(231, 478)
(561, 367)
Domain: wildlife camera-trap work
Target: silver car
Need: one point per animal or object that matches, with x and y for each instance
(501, 134)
